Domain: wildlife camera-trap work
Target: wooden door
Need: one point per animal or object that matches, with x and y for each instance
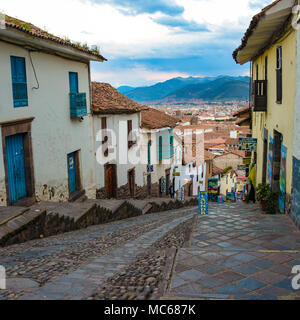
(16, 168)
(110, 181)
(131, 182)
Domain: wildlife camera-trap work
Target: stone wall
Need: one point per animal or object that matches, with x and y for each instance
(3, 195)
(295, 211)
(46, 225)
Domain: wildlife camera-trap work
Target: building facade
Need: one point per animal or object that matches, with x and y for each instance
(46, 145)
(270, 45)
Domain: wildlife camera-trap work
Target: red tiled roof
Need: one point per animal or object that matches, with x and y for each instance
(34, 31)
(217, 170)
(208, 155)
(108, 100)
(232, 141)
(155, 119)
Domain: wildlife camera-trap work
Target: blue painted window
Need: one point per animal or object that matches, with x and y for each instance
(73, 77)
(19, 81)
(78, 106)
(149, 152)
(160, 148)
(171, 146)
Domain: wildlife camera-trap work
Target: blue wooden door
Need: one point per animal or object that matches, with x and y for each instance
(16, 168)
(72, 172)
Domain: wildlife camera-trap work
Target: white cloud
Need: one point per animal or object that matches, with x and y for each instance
(136, 37)
(138, 75)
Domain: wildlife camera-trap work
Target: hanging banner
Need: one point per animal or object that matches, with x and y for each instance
(247, 144)
(230, 197)
(213, 189)
(270, 161)
(203, 202)
(282, 179)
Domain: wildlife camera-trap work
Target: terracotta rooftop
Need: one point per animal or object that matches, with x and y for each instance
(108, 100)
(217, 170)
(155, 119)
(32, 30)
(208, 155)
(232, 141)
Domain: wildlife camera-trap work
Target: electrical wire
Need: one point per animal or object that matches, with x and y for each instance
(37, 81)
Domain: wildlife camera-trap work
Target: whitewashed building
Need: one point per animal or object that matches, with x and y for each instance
(46, 132)
(157, 151)
(116, 122)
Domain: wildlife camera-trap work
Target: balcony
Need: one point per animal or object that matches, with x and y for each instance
(78, 107)
(260, 95)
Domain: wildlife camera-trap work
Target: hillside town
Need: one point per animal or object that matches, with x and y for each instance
(99, 192)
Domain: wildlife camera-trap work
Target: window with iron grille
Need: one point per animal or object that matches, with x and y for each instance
(19, 81)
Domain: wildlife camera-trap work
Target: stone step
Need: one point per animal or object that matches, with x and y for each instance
(20, 222)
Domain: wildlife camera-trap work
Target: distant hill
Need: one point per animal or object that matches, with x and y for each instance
(125, 89)
(220, 89)
(208, 88)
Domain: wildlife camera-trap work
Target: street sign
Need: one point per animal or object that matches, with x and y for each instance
(150, 168)
(247, 144)
(203, 202)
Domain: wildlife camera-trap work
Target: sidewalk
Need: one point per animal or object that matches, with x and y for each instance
(238, 253)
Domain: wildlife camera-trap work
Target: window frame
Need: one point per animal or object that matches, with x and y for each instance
(19, 103)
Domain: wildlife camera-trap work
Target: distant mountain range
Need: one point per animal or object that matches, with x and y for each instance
(220, 88)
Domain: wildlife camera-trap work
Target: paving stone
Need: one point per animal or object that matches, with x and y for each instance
(244, 257)
(263, 264)
(251, 284)
(245, 269)
(231, 289)
(211, 282)
(191, 274)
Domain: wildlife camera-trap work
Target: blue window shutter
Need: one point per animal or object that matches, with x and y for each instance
(73, 78)
(171, 146)
(160, 152)
(19, 81)
(149, 152)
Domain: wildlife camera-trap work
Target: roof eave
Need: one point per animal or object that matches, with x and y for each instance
(21, 37)
(261, 30)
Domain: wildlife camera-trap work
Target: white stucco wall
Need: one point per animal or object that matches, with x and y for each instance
(124, 161)
(54, 134)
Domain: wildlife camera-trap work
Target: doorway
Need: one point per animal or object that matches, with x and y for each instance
(131, 182)
(149, 185)
(276, 161)
(16, 168)
(74, 172)
(111, 180)
(265, 157)
(168, 182)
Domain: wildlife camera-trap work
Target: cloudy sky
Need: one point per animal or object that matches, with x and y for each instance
(146, 41)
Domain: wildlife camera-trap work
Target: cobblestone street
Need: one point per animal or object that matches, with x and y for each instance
(238, 253)
(72, 265)
(235, 252)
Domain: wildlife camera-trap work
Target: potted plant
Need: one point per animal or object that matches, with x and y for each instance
(262, 193)
(272, 202)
